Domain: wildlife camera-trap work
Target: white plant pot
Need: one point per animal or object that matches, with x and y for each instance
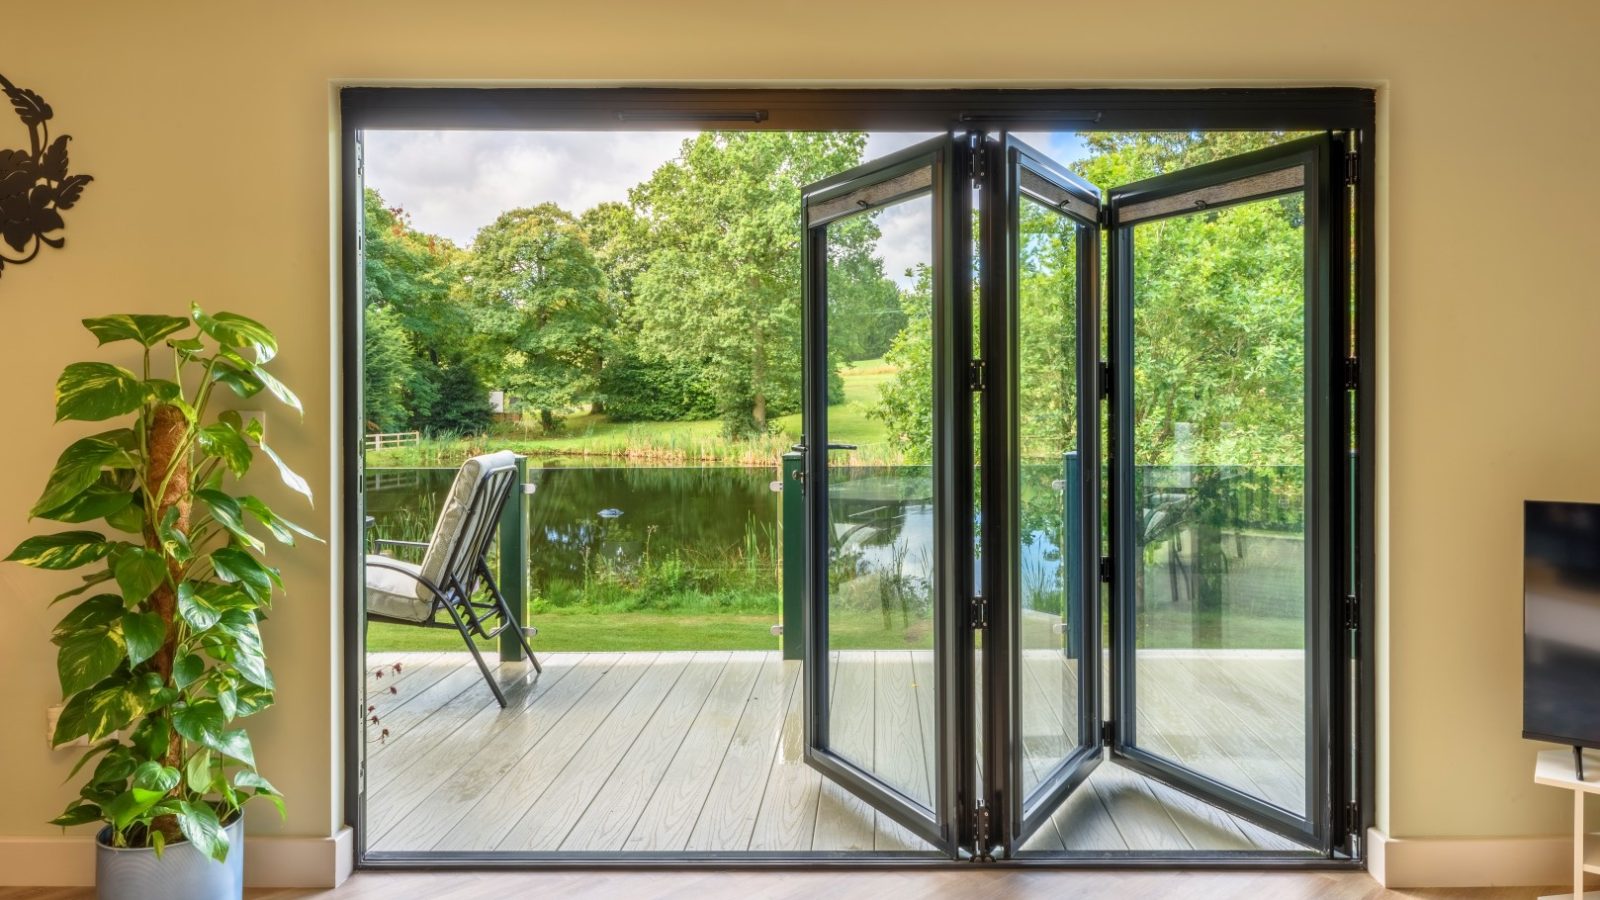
(182, 872)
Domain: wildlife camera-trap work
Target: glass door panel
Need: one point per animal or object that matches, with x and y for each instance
(1221, 286)
(882, 711)
(1041, 512)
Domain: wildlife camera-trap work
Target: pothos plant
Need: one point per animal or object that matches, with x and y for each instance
(165, 654)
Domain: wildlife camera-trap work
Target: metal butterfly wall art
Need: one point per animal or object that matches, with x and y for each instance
(35, 185)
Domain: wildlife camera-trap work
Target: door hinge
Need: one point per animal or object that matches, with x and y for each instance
(1352, 167)
(980, 612)
(1352, 613)
(1352, 373)
(978, 375)
(1105, 381)
(1105, 569)
(982, 827)
(1108, 731)
(1104, 217)
(977, 158)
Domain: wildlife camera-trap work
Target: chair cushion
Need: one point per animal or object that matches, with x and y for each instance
(395, 594)
(452, 518)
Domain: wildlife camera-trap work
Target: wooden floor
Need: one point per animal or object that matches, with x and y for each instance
(953, 881)
(701, 752)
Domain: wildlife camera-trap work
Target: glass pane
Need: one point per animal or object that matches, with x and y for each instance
(1049, 533)
(1219, 494)
(880, 499)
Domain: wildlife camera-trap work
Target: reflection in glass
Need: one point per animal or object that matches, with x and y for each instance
(1219, 494)
(880, 502)
(1047, 413)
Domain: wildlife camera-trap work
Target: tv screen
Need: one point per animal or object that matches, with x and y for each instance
(1561, 622)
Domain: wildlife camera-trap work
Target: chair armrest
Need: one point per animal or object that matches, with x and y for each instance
(390, 542)
(381, 563)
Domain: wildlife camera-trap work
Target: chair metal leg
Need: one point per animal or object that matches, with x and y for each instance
(476, 656)
(507, 619)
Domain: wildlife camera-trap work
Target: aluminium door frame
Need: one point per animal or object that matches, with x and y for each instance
(1323, 263)
(943, 826)
(1350, 111)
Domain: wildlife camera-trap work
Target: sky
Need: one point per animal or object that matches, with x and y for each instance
(454, 182)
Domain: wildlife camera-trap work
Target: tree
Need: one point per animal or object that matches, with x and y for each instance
(720, 290)
(539, 305)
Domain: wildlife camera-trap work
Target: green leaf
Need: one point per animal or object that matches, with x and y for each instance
(241, 381)
(138, 572)
(235, 745)
(236, 332)
(129, 519)
(92, 391)
(236, 566)
(196, 607)
(200, 721)
(90, 754)
(87, 656)
(63, 550)
(248, 656)
(252, 699)
(187, 668)
(151, 737)
(225, 443)
(100, 501)
(79, 466)
(147, 330)
(96, 612)
(278, 389)
(130, 805)
(91, 580)
(114, 770)
(227, 511)
(287, 474)
(198, 822)
(144, 633)
(79, 813)
(97, 712)
(281, 528)
(153, 776)
(197, 773)
(158, 842)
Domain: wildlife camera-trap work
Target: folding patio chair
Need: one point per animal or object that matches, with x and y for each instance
(454, 565)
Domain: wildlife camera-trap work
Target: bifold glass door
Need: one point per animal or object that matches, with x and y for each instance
(984, 694)
(1221, 281)
(887, 647)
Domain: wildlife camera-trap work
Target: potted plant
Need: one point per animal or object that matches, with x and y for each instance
(160, 651)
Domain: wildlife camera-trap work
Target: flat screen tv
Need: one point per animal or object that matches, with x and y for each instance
(1561, 623)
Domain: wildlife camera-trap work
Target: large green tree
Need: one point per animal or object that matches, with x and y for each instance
(720, 290)
(539, 307)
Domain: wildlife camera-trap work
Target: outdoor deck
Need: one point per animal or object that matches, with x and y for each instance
(701, 752)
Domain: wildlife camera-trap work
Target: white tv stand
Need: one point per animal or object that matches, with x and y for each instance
(1556, 768)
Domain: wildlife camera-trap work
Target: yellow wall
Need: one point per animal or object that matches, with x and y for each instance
(209, 130)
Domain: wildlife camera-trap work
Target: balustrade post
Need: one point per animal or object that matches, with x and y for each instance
(514, 561)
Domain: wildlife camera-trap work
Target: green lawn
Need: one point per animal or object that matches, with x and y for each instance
(699, 441)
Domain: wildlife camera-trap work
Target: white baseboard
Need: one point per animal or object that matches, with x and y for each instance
(290, 862)
(1468, 862)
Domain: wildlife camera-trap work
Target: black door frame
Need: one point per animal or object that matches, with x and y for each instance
(1348, 111)
(1323, 276)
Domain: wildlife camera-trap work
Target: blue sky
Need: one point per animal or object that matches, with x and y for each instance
(455, 182)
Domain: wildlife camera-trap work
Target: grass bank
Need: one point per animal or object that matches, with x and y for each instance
(597, 438)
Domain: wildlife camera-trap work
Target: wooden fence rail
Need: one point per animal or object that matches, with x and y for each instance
(390, 439)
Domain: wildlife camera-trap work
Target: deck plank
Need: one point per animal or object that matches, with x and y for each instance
(505, 801)
(552, 814)
(787, 817)
(680, 794)
(704, 752)
(844, 822)
(734, 801)
(444, 790)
